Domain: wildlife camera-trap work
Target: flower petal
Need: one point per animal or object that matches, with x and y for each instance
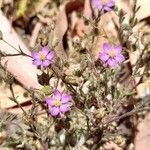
(57, 95)
(37, 62)
(50, 55)
(54, 111)
(119, 58)
(66, 98)
(45, 50)
(96, 4)
(106, 8)
(35, 55)
(112, 63)
(64, 108)
(106, 48)
(110, 4)
(46, 63)
(118, 49)
(49, 101)
(104, 57)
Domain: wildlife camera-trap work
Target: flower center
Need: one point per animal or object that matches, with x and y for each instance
(104, 2)
(42, 56)
(57, 103)
(112, 53)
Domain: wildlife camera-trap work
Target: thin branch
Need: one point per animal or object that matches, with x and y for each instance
(15, 100)
(130, 113)
(20, 52)
(59, 75)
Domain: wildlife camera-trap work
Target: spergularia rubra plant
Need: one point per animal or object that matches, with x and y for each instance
(59, 103)
(111, 55)
(106, 5)
(43, 58)
(102, 94)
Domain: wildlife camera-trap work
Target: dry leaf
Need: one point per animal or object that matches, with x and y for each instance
(59, 32)
(62, 26)
(142, 140)
(143, 89)
(19, 66)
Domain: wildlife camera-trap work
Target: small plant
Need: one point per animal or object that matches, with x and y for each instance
(82, 108)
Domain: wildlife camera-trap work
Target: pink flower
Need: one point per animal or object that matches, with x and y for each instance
(59, 103)
(111, 55)
(43, 58)
(105, 5)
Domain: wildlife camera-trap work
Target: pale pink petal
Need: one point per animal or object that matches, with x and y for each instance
(35, 55)
(118, 49)
(49, 101)
(112, 63)
(57, 95)
(45, 50)
(119, 58)
(96, 4)
(46, 63)
(54, 111)
(50, 55)
(110, 4)
(107, 8)
(106, 48)
(64, 108)
(104, 57)
(37, 62)
(66, 98)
